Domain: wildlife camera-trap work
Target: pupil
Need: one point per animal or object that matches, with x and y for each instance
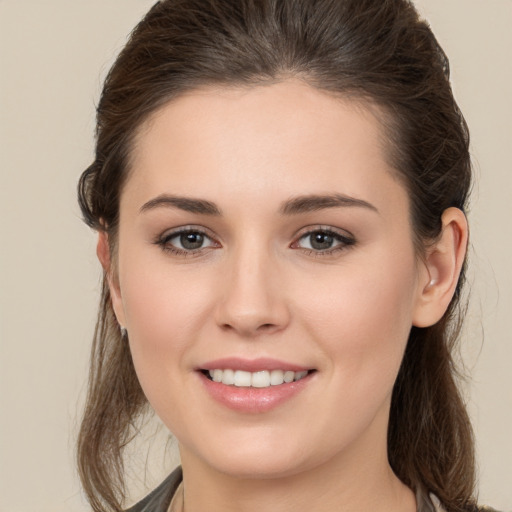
(191, 240)
(321, 241)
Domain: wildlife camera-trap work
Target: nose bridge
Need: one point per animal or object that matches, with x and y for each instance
(253, 300)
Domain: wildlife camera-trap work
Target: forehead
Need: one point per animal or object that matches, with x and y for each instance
(284, 138)
(292, 107)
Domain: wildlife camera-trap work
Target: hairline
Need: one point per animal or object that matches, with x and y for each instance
(359, 99)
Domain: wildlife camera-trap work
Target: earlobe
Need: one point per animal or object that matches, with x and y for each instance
(103, 253)
(443, 264)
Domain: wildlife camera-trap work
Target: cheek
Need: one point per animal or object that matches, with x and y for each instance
(165, 309)
(362, 319)
(361, 322)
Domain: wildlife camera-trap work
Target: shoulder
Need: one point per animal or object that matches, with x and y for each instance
(160, 498)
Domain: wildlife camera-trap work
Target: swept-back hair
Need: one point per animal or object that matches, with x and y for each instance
(373, 50)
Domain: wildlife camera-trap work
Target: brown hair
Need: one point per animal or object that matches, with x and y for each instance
(371, 49)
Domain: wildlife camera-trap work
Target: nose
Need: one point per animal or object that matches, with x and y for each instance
(252, 295)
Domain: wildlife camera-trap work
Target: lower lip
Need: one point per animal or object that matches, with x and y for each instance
(254, 400)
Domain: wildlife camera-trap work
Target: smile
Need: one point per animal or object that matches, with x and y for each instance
(253, 386)
(259, 379)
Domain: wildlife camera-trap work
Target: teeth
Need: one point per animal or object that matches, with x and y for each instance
(261, 379)
(289, 376)
(300, 375)
(242, 379)
(276, 377)
(228, 377)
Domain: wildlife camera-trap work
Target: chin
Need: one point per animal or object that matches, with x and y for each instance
(263, 457)
(259, 468)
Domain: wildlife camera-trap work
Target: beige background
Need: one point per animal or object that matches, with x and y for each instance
(53, 55)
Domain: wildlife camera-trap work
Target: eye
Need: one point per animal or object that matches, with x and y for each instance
(186, 241)
(323, 241)
(189, 241)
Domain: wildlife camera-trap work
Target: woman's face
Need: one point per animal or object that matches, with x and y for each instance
(263, 232)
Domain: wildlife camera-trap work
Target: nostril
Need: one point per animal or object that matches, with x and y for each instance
(266, 327)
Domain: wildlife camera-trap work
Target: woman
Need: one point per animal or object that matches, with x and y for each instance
(279, 189)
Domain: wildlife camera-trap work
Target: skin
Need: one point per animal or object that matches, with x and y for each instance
(257, 289)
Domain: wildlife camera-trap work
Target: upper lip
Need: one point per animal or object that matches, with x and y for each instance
(252, 365)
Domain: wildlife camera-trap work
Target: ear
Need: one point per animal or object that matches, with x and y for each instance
(442, 267)
(103, 253)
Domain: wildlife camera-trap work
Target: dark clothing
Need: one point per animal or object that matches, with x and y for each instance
(160, 499)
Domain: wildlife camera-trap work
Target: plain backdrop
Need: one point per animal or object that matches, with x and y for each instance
(53, 56)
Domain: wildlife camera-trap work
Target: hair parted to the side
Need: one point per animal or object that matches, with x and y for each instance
(375, 50)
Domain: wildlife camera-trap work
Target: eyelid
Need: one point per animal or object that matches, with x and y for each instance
(307, 230)
(163, 239)
(345, 238)
(188, 228)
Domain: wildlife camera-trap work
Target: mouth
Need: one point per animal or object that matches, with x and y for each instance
(254, 385)
(259, 379)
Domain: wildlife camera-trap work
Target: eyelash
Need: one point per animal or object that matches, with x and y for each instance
(344, 241)
(164, 241)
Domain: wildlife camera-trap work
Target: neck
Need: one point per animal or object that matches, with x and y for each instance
(358, 480)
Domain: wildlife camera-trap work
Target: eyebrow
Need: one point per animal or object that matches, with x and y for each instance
(293, 206)
(311, 203)
(187, 204)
